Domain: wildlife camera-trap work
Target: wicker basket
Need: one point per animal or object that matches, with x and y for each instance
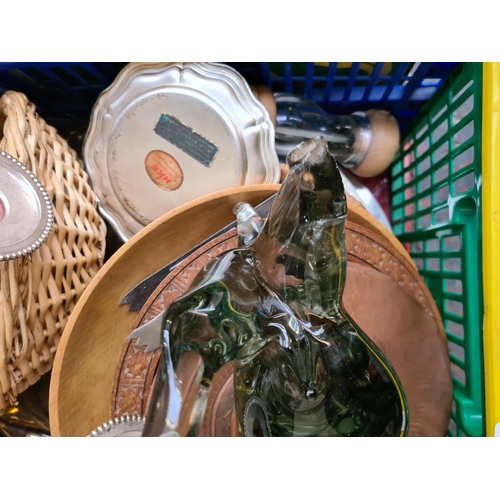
(39, 291)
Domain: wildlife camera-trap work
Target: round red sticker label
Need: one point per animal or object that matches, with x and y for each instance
(164, 170)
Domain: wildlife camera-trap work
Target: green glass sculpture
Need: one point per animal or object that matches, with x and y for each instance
(274, 306)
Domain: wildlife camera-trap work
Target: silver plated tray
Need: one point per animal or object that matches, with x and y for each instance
(164, 134)
(26, 211)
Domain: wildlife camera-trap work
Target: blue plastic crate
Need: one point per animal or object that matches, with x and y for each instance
(69, 90)
(342, 88)
(60, 90)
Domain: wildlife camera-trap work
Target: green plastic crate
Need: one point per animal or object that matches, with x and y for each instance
(436, 203)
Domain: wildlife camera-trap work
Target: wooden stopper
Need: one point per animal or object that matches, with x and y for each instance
(384, 144)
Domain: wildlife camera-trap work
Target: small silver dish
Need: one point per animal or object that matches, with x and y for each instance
(26, 211)
(125, 426)
(164, 134)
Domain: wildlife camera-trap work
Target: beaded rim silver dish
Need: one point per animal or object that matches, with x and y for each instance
(119, 426)
(44, 228)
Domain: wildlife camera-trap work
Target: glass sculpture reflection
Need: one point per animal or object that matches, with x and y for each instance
(302, 366)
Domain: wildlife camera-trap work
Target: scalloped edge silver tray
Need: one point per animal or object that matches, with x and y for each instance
(216, 83)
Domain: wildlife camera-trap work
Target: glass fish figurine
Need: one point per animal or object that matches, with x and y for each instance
(273, 306)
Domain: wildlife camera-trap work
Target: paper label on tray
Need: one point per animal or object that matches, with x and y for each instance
(186, 139)
(164, 170)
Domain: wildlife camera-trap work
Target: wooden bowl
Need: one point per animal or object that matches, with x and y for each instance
(87, 356)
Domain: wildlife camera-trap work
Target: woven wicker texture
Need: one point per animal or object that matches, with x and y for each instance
(39, 291)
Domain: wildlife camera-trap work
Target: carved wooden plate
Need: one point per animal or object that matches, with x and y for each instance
(380, 271)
